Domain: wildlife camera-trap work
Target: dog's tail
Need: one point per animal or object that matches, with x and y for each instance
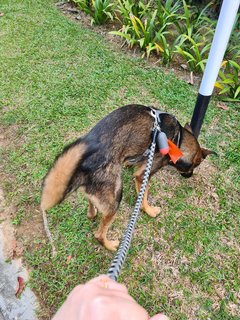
(48, 232)
(56, 182)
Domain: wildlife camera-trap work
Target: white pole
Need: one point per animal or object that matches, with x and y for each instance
(221, 37)
(219, 45)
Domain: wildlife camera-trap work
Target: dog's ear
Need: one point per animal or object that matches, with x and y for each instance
(206, 152)
(188, 127)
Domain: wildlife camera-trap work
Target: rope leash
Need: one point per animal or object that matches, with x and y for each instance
(116, 265)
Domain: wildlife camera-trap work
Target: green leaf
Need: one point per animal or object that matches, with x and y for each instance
(141, 42)
(234, 64)
(237, 92)
(134, 23)
(121, 34)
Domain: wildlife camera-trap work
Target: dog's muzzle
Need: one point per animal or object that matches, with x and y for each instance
(187, 174)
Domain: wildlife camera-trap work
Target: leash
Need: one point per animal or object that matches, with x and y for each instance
(165, 146)
(117, 263)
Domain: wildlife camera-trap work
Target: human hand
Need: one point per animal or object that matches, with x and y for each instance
(102, 299)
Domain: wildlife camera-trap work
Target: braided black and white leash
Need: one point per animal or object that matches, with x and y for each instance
(122, 252)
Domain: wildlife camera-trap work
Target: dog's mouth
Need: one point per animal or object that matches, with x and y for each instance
(187, 174)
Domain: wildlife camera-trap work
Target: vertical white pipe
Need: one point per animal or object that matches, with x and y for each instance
(220, 40)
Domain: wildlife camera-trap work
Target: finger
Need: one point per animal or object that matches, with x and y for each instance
(102, 277)
(159, 316)
(75, 292)
(77, 289)
(105, 282)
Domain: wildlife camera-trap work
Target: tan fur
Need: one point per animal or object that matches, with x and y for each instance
(189, 146)
(96, 202)
(92, 212)
(106, 221)
(108, 214)
(101, 233)
(150, 210)
(57, 180)
(118, 185)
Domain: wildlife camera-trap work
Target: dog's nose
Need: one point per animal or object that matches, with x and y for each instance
(187, 174)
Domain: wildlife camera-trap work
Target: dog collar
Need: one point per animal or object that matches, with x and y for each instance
(156, 115)
(171, 149)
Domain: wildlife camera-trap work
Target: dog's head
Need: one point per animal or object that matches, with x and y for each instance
(193, 154)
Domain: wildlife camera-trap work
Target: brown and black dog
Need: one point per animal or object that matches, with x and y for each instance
(94, 162)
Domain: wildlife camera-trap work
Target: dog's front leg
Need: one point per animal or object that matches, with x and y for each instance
(151, 211)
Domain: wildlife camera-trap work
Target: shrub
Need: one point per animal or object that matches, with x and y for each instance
(148, 28)
(100, 10)
(126, 8)
(84, 5)
(229, 80)
(167, 14)
(138, 25)
(168, 28)
(194, 53)
(193, 22)
(141, 33)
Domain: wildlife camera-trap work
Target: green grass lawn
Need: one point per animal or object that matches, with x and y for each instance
(57, 80)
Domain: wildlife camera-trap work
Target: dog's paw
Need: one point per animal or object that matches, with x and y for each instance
(152, 211)
(111, 245)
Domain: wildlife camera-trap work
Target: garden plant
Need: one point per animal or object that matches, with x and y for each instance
(174, 31)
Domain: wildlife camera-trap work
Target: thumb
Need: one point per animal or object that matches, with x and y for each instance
(159, 316)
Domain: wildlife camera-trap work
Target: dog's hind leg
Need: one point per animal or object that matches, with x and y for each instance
(92, 212)
(101, 233)
(106, 199)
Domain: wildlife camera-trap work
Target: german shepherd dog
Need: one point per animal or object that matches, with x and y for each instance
(94, 162)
